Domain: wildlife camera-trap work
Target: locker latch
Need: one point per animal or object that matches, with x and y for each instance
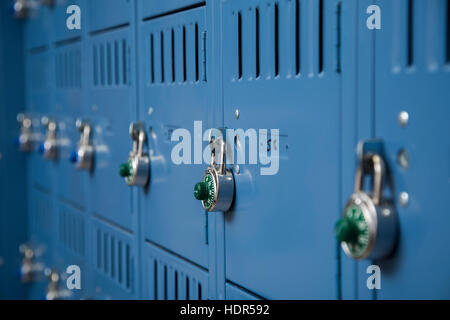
(83, 156)
(49, 148)
(216, 190)
(136, 170)
(368, 228)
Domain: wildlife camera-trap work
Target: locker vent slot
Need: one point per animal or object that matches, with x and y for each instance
(257, 44)
(72, 231)
(169, 283)
(110, 63)
(240, 45)
(321, 38)
(113, 257)
(267, 38)
(297, 37)
(68, 69)
(277, 41)
(184, 54)
(162, 56)
(338, 36)
(173, 278)
(197, 62)
(175, 56)
(410, 35)
(447, 56)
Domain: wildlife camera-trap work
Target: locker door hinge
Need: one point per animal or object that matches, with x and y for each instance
(204, 56)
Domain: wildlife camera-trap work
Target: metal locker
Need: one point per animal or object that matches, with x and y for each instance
(69, 104)
(283, 72)
(412, 51)
(39, 103)
(111, 108)
(173, 94)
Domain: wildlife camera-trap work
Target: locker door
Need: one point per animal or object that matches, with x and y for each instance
(281, 71)
(39, 103)
(111, 107)
(69, 107)
(412, 75)
(173, 95)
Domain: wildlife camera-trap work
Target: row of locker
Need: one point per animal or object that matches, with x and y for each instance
(311, 69)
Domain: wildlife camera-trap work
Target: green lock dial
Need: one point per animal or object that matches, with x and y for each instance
(126, 170)
(353, 230)
(205, 191)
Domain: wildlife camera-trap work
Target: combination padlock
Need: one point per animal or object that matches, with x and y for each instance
(83, 156)
(368, 228)
(136, 170)
(54, 289)
(216, 190)
(30, 269)
(22, 9)
(25, 141)
(49, 148)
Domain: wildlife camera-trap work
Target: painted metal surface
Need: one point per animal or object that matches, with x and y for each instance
(414, 54)
(173, 91)
(309, 68)
(279, 235)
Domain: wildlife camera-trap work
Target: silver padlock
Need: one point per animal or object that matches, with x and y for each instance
(25, 140)
(49, 148)
(83, 156)
(30, 269)
(55, 291)
(368, 228)
(136, 171)
(216, 190)
(23, 8)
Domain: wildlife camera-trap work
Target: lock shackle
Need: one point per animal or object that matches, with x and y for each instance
(141, 141)
(85, 129)
(371, 164)
(51, 126)
(86, 133)
(221, 165)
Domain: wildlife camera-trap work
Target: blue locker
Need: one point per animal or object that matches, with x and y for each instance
(357, 110)
(412, 51)
(111, 108)
(39, 103)
(173, 93)
(310, 68)
(279, 240)
(68, 99)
